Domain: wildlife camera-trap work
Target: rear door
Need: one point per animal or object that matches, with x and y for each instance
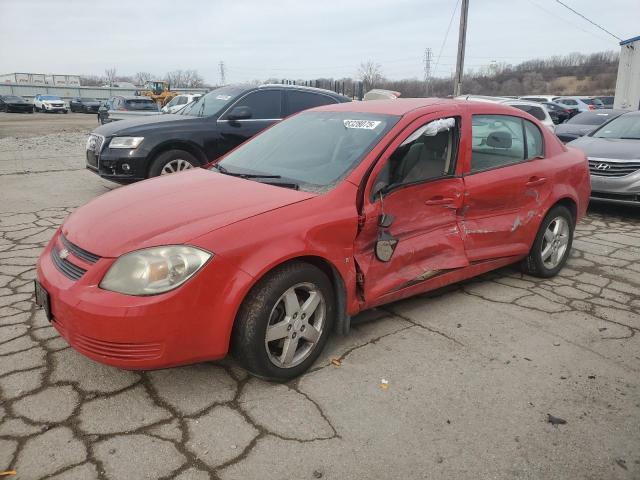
(410, 231)
(266, 107)
(505, 188)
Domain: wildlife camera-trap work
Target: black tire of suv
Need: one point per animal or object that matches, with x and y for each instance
(249, 329)
(533, 264)
(165, 157)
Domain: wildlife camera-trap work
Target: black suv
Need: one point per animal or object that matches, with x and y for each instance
(84, 105)
(132, 150)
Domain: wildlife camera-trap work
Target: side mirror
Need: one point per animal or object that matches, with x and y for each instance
(499, 140)
(239, 113)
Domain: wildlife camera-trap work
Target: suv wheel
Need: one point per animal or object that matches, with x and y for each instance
(284, 322)
(552, 245)
(172, 161)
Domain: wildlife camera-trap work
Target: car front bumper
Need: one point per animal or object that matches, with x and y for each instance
(189, 324)
(622, 190)
(51, 108)
(118, 165)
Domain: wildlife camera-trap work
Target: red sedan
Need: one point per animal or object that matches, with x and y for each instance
(330, 212)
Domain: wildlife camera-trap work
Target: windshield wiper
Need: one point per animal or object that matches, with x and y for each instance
(221, 169)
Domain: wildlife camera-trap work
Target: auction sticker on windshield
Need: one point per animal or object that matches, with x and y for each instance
(363, 124)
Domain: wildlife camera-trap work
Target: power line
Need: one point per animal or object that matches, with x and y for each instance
(446, 35)
(588, 20)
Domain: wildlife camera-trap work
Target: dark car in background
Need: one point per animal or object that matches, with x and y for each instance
(584, 123)
(613, 151)
(559, 113)
(204, 130)
(84, 105)
(14, 103)
(126, 108)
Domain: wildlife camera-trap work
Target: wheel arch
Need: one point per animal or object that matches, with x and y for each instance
(187, 146)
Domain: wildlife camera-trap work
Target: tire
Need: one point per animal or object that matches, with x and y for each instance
(65, 111)
(265, 307)
(549, 253)
(176, 160)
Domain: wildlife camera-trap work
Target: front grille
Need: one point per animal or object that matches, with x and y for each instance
(608, 168)
(616, 196)
(69, 269)
(81, 253)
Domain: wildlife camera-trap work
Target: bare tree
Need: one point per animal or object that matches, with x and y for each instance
(142, 77)
(370, 74)
(110, 74)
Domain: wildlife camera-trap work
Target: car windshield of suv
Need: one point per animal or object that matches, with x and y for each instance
(625, 127)
(213, 102)
(590, 118)
(12, 98)
(142, 104)
(311, 151)
(50, 97)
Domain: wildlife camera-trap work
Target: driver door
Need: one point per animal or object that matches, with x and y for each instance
(411, 212)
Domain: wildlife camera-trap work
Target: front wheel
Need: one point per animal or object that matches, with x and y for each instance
(552, 245)
(284, 322)
(172, 161)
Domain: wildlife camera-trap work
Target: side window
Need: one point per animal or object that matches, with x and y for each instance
(430, 152)
(498, 140)
(299, 101)
(535, 140)
(264, 104)
(182, 100)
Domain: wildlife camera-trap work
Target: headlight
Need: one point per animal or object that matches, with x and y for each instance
(125, 142)
(154, 270)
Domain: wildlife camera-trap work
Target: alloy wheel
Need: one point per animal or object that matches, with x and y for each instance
(555, 242)
(295, 325)
(176, 165)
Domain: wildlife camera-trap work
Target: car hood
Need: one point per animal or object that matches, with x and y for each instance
(172, 209)
(574, 128)
(614, 148)
(142, 123)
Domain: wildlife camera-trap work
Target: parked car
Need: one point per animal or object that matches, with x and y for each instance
(179, 101)
(84, 105)
(380, 94)
(584, 104)
(333, 211)
(49, 103)
(126, 108)
(532, 108)
(14, 103)
(613, 151)
(540, 98)
(559, 113)
(584, 123)
(607, 101)
(204, 130)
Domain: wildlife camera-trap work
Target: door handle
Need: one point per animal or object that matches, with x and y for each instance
(439, 200)
(535, 181)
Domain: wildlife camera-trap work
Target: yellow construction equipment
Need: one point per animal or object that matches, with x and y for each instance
(159, 91)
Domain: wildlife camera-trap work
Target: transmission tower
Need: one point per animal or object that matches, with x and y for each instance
(428, 56)
(222, 76)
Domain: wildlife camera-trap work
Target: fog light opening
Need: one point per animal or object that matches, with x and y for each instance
(126, 167)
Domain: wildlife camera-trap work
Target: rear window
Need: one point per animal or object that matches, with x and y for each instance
(299, 101)
(592, 101)
(536, 111)
(590, 118)
(141, 104)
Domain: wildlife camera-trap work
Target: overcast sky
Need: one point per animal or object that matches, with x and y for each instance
(296, 39)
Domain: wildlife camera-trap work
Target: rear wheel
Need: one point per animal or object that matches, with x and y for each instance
(284, 322)
(172, 161)
(552, 245)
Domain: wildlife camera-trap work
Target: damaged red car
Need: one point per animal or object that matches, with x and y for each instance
(330, 212)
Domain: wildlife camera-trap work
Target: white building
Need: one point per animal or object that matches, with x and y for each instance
(628, 82)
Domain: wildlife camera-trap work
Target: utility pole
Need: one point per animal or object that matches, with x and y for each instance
(222, 79)
(462, 40)
(428, 55)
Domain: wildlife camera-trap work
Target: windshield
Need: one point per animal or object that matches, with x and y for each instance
(84, 99)
(142, 105)
(213, 102)
(50, 97)
(590, 118)
(12, 98)
(313, 150)
(624, 127)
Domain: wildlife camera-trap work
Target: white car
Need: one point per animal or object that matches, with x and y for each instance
(179, 102)
(584, 104)
(533, 108)
(49, 103)
(540, 98)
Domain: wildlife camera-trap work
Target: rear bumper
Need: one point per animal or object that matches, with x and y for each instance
(189, 324)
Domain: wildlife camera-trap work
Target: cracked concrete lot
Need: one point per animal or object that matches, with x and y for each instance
(472, 371)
